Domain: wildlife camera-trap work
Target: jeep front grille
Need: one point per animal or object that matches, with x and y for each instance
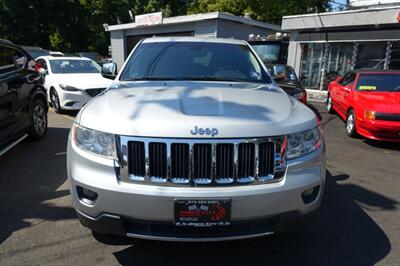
(198, 162)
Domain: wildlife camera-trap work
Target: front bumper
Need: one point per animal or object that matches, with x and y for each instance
(73, 100)
(164, 231)
(136, 209)
(379, 130)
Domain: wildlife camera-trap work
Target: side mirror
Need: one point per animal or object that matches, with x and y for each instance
(21, 61)
(109, 70)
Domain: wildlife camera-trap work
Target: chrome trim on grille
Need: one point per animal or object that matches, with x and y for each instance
(275, 175)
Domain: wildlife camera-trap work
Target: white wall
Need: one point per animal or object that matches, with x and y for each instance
(118, 47)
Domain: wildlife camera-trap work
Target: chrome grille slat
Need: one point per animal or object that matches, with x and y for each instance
(136, 166)
(202, 164)
(180, 163)
(193, 162)
(245, 162)
(158, 162)
(224, 164)
(267, 159)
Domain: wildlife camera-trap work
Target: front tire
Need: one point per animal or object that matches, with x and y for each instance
(351, 124)
(55, 101)
(329, 105)
(38, 118)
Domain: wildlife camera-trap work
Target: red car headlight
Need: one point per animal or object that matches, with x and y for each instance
(368, 114)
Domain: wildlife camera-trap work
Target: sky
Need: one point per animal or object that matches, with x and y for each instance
(336, 4)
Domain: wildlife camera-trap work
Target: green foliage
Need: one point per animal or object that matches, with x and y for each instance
(265, 10)
(237, 7)
(77, 25)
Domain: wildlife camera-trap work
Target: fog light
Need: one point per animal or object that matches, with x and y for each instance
(310, 195)
(86, 195)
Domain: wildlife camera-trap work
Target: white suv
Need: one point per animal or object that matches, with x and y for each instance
(194, 142)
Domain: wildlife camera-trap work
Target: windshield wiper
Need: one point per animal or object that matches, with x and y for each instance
(395, 89)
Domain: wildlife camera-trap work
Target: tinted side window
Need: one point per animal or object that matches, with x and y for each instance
(10, 59)
(348, 79)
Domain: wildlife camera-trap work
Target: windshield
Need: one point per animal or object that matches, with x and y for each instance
(74, 66)
(379, 82)
(268, 52)
(194, 61)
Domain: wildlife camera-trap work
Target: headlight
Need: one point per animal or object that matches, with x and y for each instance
(96, 142)
(302, 143)
(68, 88)
(368, 114)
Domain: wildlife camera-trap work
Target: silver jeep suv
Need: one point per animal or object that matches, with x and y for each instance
(194, 142)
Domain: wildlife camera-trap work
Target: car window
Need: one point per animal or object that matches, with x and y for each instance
(379, 82)
(268, 52)
(348, 79)
(194, 61)
(74, 66)
(10, 59)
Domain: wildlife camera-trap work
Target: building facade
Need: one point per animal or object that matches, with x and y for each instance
(332, 43)
(124, 37)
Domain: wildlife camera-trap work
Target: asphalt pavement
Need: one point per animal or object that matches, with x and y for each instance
(358, 223)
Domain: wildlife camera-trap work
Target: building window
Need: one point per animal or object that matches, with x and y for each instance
(371, 55)
(323, 61)
(339, 58)
(311, 66)
(394, 59)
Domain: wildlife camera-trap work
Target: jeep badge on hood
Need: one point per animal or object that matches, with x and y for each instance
(204, 131)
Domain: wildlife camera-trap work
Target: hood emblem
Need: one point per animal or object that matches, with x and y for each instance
(204, 131)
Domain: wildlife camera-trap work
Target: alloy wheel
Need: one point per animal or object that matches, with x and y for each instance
(350, 123)
(39, 119)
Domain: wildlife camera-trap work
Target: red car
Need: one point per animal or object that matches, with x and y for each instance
(369, 102)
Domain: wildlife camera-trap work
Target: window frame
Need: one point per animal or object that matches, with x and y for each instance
(17, 67)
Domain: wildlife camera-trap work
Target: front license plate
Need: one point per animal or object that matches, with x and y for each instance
(202, 213)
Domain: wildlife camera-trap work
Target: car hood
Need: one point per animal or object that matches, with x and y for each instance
(83, 81)
(173, 109)
(381, 102)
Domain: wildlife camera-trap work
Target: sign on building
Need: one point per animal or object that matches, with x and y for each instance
(149, 19)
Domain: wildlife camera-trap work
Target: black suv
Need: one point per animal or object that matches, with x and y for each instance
(23, 102)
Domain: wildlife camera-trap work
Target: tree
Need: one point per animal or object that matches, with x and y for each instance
(265, 10)
(77, 25)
